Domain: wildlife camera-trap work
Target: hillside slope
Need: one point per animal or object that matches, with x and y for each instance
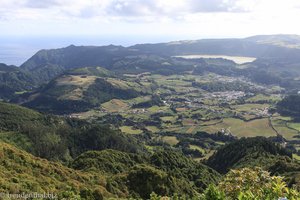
(22, 172)
(13, 117)
(257, 152)
(82, 89)
(76, 57)
(58, 138)
(244, 151)
(14, 80)
(165, 172)
(100, 170)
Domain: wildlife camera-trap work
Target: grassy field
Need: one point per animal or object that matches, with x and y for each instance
(240, 128)
(208, 115)
(171, 140)
(191, 129)
(250, 107)
(138, 100)
(262, 97)
(130, 130)
(76, 80)
(80, 84)
(295, 126)
(169, 119)
(155, 109)
(194, 147)
(211, 122)
(281, 125)
(188, 122)
(94, 113)
(153, 129)
(296, 157)
(248, 117)
(115, 105)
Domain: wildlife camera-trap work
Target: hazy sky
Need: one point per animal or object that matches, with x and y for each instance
(186, 19)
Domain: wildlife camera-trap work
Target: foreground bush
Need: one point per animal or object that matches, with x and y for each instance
(246, 184)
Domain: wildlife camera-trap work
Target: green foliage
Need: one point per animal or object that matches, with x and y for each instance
(246, 150)
(144, 180)
(106, 161)
(255, 184)
(46, 103)
(33, 131)
(213, 193)
(250, 184)
(182, 167)
(99, 137)
(19, 140)
(13, 117)
(56, 138)
(47, 143)
(140, 175)
(13, 80)
(21, 172)
(290, 106)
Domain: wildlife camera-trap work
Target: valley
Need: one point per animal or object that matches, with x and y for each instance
(180, 106)
(165, 119)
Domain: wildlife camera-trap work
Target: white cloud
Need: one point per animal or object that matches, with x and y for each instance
(166, 17)
(121, 8)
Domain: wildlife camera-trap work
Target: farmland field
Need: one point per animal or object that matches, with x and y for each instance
(130, 130)
(178, 107)
(115, 105)
(172, 140)
(239, 128)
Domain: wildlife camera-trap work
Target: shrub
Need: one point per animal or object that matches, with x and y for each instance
(251, 184)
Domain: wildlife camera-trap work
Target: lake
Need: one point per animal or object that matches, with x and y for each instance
(236, 59)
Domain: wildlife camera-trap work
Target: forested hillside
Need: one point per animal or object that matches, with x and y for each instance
(84, 147)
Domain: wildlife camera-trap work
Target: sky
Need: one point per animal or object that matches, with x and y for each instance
(173, 19)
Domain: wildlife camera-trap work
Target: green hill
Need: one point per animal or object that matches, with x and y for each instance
(77, 56)
(290, 106)
(58, 138)
(275, 47)
(256, 151)
(290, 41)
(82, 89)
(14, 80)
(98, 170)
(106, 161)
(271, 49)
(81, 56)
(13, 117)
(91, 71)
(164, 172)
